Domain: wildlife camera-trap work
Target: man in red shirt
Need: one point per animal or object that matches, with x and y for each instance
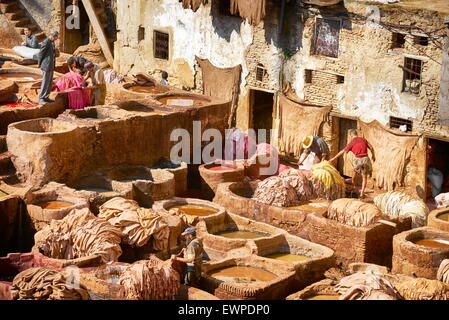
(361, 164)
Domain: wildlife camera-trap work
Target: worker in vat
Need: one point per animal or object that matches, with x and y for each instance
(94, 77)
(46, 62)
(192, 256)
(361, 164)
(315, 151)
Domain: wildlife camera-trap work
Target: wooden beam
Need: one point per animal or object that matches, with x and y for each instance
(102, 39)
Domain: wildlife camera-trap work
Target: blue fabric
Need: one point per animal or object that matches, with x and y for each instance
(435, 177)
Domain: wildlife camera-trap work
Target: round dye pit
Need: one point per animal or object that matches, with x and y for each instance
(310, 205)
(242, 274)
(323, 297)
(241, 234)
(103, 191)
(54, 204)
(148, 89)
(196, 210)
(287, 257)
(444, 216)
(182, 101)
(19, 76)
(433, 243)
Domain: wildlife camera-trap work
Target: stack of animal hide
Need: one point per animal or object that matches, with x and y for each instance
(300, 183)
(327, 182)
(366, 286)
(398, 204)
(423, 289)
(79, 234)
(353, 212)
(186, 219)
(275, 191)
(148, 280)
(443, 271)
(136, 223)
(45, 284)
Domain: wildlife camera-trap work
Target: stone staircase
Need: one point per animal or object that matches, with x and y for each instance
(7, 170)
(18, 18)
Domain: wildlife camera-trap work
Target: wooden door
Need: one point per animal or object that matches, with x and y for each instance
(345, 161)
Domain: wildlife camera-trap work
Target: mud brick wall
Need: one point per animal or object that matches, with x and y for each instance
(323, 88)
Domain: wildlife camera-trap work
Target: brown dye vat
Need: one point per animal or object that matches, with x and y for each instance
(310, 205)
(242, 274)
(323, 297)
(147, 89)
(18, 76)
(182, 101)
(105, 192)
(433, 243)
(444, 217)
(241, 234)
(53, 205)
(287, 257)
(196, 210)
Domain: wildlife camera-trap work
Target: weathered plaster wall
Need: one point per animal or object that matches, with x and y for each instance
(40, 11)
(444, 90)
(226, 41)
(8, 35)
(372, 87)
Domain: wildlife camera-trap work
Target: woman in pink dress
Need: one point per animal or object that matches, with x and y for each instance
(74, 84)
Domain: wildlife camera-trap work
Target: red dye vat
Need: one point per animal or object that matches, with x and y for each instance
(18, 104)
(220, 168)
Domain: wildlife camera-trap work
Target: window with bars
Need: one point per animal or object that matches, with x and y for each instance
(398, 40)
(401, 124)
(161, 45)
(260, 72)
(308, 76)
(340, 79)
(412, 75)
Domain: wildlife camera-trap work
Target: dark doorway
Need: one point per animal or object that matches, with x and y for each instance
(74, 38)
(345, 161)
(262, 109)
(438, 158)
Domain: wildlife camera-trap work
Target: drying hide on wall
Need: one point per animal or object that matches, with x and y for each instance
(221, 83)
(45, 284)
(148, 280)
(423, 289)
(137, 224)
(79, 234)
(392, 151)
(366, 285)
(275, 191)
(353, 212)
(398, 204)
(443, 271)
(193, 4)
(297, 121)
(253, 11)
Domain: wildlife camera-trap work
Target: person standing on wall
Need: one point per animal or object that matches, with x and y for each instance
(362, 165)
(30, 39)
(193, 257)
(47, 62)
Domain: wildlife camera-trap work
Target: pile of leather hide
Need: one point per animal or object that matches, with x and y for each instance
(353, 212)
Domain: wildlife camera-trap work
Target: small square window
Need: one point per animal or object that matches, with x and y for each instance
(422, 41)
(398, 40)
(308, 76)
(340, 79)
(161, 45)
